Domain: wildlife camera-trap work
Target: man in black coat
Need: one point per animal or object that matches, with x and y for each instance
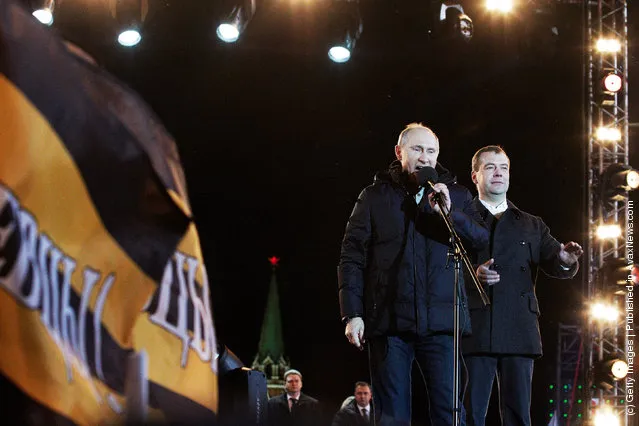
(293, 408)
(358, 411)
(395, 282)
(506, 337)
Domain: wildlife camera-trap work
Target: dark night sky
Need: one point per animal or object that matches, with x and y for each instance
(277, 142)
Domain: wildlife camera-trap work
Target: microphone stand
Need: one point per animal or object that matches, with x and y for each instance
(458, 254)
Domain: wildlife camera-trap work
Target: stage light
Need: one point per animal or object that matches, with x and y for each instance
(129, 38)
(603, 312)
(455, 22)
(608, 45)
(339, 54)
(45, 13)
(605, 416)
(612, 82)
(346, 28)
(608, 134)
(130, 15)
(617, 180)
(618, 368)
(503, 6)
(608, 371)
(608, 232)
(228, 33)
(45, 16)
(233, 25)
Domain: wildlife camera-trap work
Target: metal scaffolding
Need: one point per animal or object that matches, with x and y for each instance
(605, 110)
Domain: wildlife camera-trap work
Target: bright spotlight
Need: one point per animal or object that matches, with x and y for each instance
(233, 24)
(503, 6)
(604, 416)
(608, 232)
(344, 31)
(603, 312)
(619, 369)
(608, 134)
(608, 45)
(45, 16)
(228, 33)
(612, 82)
(129, 38)
(617, 180)
(339, 54)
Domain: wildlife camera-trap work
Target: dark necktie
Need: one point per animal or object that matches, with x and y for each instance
(365, 414)
(294, 403)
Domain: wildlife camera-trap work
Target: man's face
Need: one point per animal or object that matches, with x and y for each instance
(363, 395)
(493, 177)
(293, 383)
(419, 149)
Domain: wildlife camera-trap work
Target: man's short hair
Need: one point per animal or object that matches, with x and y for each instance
(489, 148)
(292, 371)
(361, 385)
(413, 126)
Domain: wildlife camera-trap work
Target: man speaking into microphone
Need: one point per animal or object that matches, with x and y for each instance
(395, 286)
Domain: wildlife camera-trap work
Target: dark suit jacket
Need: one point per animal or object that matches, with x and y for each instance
(306, 413)
(521, 244)
(350, 416)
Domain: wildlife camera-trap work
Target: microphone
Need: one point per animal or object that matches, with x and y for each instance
(426, 176)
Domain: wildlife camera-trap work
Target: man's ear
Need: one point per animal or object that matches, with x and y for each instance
(473, 176)
(398, 152)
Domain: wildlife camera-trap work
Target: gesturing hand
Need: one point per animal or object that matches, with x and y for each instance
(570, 253)
(487, 275)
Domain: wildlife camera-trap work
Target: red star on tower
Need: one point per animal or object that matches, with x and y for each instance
(274, 260)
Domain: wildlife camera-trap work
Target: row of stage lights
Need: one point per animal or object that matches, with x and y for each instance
(616, 274)
(348, 25)
(347, 29)
(131, 19)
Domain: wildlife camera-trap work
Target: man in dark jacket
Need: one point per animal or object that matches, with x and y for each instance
(358, 411)
(506, 337)
(395, 282)
(293, 408)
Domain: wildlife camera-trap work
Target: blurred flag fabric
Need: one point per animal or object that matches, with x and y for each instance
(99, 256)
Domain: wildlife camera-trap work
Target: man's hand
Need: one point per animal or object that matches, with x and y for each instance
(355, 332)
(570, 253)
(487, 275)
(439, 188)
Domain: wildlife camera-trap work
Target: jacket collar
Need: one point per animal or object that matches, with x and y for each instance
(394, 174)
(483, 211)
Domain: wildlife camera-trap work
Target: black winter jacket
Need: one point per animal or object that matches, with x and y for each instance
(393, 269)
(520, 244)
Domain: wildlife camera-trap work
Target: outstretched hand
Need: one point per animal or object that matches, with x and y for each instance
(570, 253)
(487, 275)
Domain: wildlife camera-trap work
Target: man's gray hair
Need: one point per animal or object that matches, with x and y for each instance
(412, 126)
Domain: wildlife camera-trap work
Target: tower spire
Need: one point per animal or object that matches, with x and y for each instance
(270, 358)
